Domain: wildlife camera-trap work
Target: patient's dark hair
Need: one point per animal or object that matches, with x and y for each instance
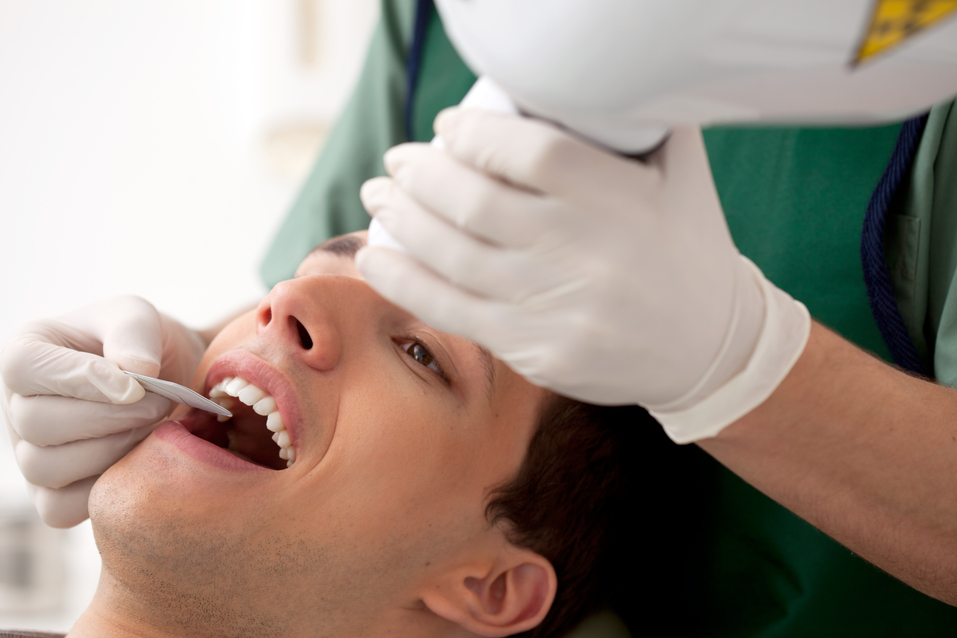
(563, 499)
(587, 469)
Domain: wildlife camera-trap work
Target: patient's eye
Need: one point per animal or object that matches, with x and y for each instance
(422, 355)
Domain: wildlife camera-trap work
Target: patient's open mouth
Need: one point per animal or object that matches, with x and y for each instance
(255, 433)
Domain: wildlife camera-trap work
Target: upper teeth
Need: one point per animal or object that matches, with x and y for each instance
(262, 404)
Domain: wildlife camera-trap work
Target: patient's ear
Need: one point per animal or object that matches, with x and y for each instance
(508, 597)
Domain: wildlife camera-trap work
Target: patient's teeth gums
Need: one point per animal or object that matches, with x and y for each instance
(250, 395)
(224, 401)
(283, 440)
(262, 404)
(265, 406)
(274, 422)
(234, 386)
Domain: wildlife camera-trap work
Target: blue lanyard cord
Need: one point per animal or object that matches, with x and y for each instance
(414, 62)
(877, 278)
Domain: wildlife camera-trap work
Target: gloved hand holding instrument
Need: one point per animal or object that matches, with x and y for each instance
(71, 411)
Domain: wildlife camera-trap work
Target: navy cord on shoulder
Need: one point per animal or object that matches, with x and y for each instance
(414, 62)
(877, 278)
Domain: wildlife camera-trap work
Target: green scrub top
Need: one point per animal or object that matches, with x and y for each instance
(795, 200)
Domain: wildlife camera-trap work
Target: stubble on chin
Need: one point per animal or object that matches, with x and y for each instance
(246, 576)
(198, 577)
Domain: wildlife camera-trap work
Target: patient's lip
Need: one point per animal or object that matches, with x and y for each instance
(177, 433)
(268, 378)
(237, 363)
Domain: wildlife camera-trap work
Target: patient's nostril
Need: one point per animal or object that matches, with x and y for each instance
(304, 339)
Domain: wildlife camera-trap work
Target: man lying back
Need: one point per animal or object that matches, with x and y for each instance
(378, 478)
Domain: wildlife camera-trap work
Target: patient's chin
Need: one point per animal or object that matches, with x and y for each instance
(145, 528)
(205, 577)
(126, 521)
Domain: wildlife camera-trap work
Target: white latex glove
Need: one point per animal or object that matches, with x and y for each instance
(70, 412)
(603, 278)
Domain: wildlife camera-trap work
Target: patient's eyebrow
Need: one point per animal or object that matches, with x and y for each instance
(488, 363)
(344, 246)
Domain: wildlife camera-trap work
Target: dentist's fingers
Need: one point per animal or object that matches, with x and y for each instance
(60, 465)
(130, 329)
(53, 358)
(408, 284)
(64, 507)
(458, 257)
(40, 419)
(82, 355)
(537, 155)
(465, 197)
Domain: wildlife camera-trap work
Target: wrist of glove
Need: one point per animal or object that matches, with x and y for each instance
(754, 360)
(70, 411)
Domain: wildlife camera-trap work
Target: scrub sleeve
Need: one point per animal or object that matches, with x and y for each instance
(795, 202)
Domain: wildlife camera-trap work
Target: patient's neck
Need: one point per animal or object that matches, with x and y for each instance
(109, 617)
(118, 612)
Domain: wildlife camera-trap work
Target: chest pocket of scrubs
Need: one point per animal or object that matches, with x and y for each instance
(902, 245)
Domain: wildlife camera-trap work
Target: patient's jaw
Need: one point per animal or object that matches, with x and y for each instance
(399, 433)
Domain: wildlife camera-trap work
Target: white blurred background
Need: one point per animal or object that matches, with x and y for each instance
(147, 147)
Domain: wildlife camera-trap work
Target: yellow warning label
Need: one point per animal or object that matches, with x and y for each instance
(893, 21)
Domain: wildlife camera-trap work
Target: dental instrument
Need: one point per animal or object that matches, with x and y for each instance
(179, 394)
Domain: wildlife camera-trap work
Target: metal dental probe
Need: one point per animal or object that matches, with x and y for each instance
(179, 394)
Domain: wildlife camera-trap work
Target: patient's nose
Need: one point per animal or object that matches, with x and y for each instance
(300, 316)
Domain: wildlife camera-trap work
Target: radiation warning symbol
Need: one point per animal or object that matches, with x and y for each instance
(894, 21)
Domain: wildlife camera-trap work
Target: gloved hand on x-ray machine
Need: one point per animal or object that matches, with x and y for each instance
(604, 278)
